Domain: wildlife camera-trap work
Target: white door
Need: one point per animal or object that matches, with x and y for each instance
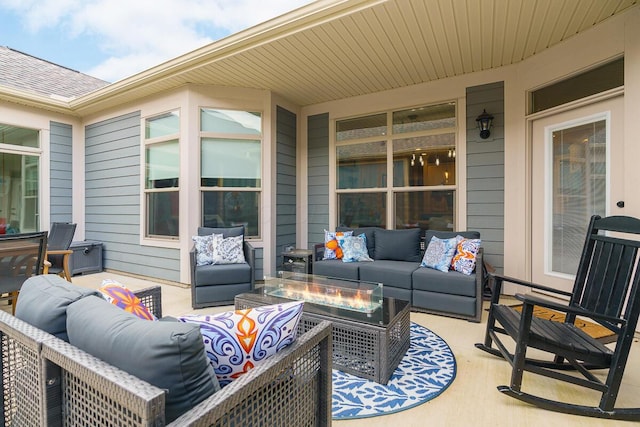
(577, 171)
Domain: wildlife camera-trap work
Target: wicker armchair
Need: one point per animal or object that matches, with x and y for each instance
(48, 381)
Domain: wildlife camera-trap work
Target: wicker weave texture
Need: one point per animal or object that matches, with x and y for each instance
(96, 393)
(366, 350)
(293, 388)
(152, 299)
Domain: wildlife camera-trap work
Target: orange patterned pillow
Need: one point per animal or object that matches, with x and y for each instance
(332, 249)
(124, 298)
(464, 261)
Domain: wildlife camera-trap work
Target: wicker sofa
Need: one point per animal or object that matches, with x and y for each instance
(396, 258)
(47, 381)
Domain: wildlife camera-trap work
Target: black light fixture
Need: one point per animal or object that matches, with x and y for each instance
(484, 121)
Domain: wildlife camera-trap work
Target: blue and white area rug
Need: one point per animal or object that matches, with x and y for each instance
(427, 369)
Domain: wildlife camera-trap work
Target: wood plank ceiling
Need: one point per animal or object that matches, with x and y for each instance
(335, 49)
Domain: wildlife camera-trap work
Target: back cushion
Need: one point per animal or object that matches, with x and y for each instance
(450, 234)
(169, 355)
(226, 232)
(43, 303)
(369, 233)
(398, 245)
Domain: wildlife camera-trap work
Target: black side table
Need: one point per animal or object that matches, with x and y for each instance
(298, 261)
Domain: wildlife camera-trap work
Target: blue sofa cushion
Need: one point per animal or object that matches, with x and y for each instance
(223, 274)
(169, 355)
(225, 231)
(397, 245)
(450, 234)
(369, 233)
(337, 268)
(390, 273)
(43, 303)
(451, 282)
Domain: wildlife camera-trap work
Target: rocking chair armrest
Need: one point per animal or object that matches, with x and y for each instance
(520, 282)
(543, 302)
(59, 252)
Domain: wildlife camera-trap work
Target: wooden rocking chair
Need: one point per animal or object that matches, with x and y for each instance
(606, 292)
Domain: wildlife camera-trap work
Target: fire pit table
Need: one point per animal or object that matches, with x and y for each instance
(370, 332)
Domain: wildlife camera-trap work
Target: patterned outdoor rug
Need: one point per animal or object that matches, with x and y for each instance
(427, 369)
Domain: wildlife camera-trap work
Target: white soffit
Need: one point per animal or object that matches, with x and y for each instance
(332, 50)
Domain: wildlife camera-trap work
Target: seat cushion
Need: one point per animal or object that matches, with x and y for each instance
(337, 268)
(389, 273)
(450, 282)
(225, 274)
(44, 300)
(169, 355)
(397, 245)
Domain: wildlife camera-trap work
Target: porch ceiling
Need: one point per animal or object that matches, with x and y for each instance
(335, 49)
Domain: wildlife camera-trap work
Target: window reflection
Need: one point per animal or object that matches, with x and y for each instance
(428, 210)
(362, 210)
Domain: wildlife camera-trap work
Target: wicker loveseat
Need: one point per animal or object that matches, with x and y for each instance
(47, 381)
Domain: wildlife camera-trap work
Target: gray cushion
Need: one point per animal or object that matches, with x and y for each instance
(369, 233)
(389, 273)
(449, 234)
(450, 282)
(43, 303)
(169, 355)
(225, 274)
(398, 245)
(226, 232)
(337, 268)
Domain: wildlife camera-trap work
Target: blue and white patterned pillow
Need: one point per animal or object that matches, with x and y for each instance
(439, 253)
(354, 248)
(204, 249)
(237, 341)
(227, 250)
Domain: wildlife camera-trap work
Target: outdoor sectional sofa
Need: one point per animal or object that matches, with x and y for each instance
(397, 255)
(47, 381)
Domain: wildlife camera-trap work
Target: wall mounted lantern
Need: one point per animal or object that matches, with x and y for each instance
(484, 120)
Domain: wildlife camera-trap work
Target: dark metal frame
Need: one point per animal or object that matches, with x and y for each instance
(606, 291)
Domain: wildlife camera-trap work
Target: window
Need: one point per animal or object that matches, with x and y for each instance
(579, 158)
(599, 79)
(19, 179)
(231, 168)
(162, 171)
(420, 152)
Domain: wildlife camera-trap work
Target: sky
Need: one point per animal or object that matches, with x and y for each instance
(115, 39)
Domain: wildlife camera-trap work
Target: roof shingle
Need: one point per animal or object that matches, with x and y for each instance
(22, 71)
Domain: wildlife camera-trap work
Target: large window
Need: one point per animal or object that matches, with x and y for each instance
(231, 168)
(19, 179)
(417, 147)
(162, 171)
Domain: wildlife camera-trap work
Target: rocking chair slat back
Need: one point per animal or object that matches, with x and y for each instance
(607, 269)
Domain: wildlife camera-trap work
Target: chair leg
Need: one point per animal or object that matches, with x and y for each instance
(65, 268)
(487, 345)
(14, 301)
(519, 356)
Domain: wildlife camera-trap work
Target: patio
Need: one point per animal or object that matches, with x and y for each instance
(472, 399)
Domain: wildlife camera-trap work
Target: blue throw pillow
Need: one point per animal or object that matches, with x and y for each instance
(354, 248)
(439, 253)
